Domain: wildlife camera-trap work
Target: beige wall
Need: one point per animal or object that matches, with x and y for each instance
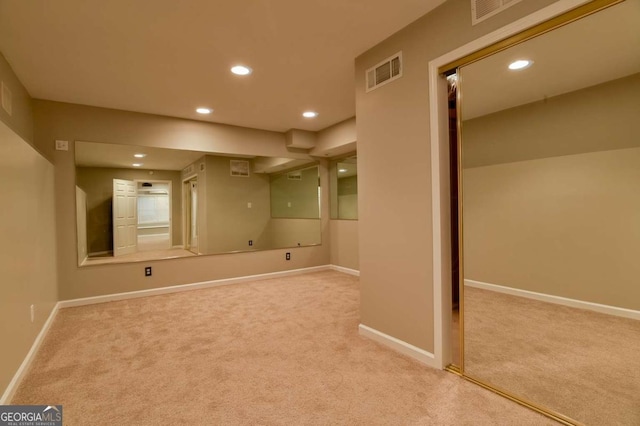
(348, 197)
(28, 263)
(394, 171)
(336, 140)
(28, 252)
(83, 123)
(293, 232)
(555, 209)
(566, 226)
(292, 198)
(21, 120)
(604, 116)
(344, 243)
(230, 222)
(75, 122)
(344, 205)
(97, 182)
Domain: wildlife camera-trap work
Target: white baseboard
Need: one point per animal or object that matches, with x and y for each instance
(26, 363)
(186, 287)
(573, 303)
(398, 345)
(345, 270)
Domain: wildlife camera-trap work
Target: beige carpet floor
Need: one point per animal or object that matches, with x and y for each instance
(581, 363)
(275, 352)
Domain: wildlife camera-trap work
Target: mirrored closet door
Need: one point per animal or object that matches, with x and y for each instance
(549, 134)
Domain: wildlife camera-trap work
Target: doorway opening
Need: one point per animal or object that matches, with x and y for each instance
(454, 152)
(154, 215)
(190, 214)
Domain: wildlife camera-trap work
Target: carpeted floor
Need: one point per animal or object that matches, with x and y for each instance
(276, 352)
(583, 364)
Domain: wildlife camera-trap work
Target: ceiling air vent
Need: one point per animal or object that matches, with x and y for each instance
(483, 9)
(384, 72)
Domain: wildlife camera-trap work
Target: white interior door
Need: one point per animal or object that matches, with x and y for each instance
(125, 217)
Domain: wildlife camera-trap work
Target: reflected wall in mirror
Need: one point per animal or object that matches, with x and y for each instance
(343, 175)
(551, 201)
(136, 203)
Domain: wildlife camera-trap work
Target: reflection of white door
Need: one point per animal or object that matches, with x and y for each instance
(194, 216)
(125, 217)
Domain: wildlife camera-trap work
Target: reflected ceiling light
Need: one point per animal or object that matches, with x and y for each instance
(342, 170)
(309, 114)
(137, 164)
(241, 70)
(139, 155)
(204, 110)
(520, 64)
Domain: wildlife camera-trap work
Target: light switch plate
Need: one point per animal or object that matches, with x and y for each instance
(62, 145)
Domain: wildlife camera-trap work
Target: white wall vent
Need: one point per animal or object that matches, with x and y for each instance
(384, 72)
(188, 170)
(483, 9)
(294, 175)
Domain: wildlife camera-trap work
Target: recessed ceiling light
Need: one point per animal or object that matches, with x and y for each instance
(309, 114)
(139, 155)
(204, 110)
(137, 164)
(342, 170)
(241, 70)
(520, 64)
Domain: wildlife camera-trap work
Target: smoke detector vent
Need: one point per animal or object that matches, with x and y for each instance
(384, 72)
(484, 9)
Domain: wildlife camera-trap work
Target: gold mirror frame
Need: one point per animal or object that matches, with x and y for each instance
(453, 67)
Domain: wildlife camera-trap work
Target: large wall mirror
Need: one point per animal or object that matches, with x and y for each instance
(343, 181)
(141, 203)
(550, 190)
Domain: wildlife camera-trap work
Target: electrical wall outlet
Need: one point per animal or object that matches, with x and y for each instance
(287, 256)
(250, 242)
(147, 271)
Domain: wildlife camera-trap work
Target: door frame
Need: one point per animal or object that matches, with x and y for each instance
(440, 181)
(170, 204)
(186, 212)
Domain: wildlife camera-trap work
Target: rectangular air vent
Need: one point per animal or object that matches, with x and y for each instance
(294, 175)
(384, 72)
(483, 9)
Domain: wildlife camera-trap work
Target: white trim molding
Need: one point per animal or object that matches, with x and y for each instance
(186, 287)
(398, 345)
(344, 270)
(558, 300)
(438, 138)
(28, 360)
